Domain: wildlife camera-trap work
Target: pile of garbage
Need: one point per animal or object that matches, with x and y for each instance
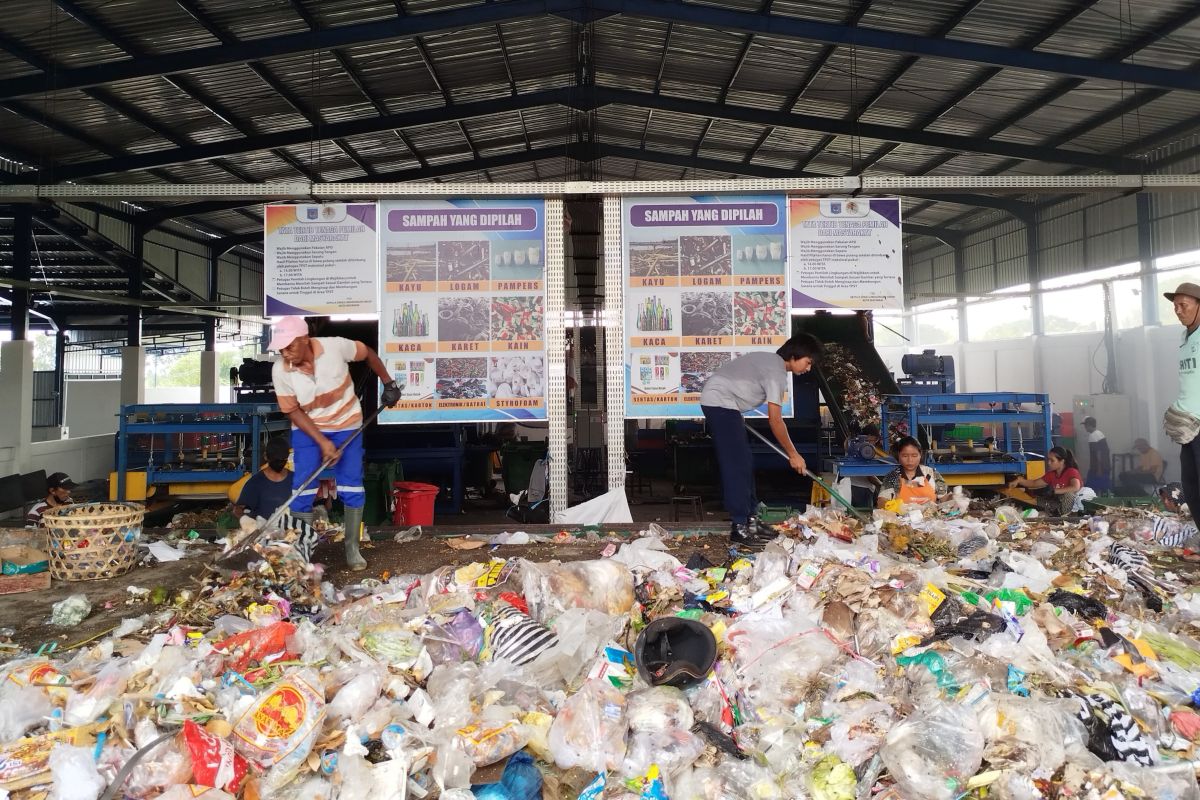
(920, 655)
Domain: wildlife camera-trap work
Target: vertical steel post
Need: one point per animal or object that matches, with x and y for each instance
(613, 316)
(22, 246)
(556, 355)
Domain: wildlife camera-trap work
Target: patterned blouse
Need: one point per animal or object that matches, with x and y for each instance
(891, 481)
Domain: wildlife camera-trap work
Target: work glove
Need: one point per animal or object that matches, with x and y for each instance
(391, 394)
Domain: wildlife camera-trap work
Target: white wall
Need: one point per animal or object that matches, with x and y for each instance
(1067, 365)
(83, 459)
(92, 407)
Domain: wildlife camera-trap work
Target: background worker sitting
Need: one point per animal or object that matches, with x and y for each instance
(1149, 472)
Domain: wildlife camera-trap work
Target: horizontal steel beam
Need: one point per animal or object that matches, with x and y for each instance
(589, 101)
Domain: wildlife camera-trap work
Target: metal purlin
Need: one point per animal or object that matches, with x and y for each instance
(614, 342)
(556, 354)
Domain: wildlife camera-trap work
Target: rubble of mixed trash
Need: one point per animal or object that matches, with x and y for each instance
(923, 655)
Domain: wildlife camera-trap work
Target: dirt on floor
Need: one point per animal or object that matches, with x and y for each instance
(28, 614)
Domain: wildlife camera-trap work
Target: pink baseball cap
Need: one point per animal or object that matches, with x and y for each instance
(285, 331)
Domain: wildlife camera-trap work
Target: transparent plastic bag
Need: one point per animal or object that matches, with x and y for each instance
(278, 730)
(358, 694)
(859, 730)
(601, 585)
(74, 772)
(589, 730)
(932, 755)
(21, 708)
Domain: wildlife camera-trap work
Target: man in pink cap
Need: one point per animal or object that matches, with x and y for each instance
(313, 387)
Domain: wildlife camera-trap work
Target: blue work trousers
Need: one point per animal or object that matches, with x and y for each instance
(734, 460)
(306, 458)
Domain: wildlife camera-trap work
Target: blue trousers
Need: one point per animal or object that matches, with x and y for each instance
(306, 457)
(734, 460)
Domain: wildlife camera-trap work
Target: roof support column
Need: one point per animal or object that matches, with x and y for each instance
(210, 379)
(133, 334)
(1145, 232)
(22, 245)
(960, 289)
(60, 374)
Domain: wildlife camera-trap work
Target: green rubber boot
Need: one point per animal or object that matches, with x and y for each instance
(353, 521)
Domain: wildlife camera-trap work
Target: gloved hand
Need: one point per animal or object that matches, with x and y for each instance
(391, 394)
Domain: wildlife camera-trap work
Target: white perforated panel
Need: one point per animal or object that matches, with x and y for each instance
(896, 184)
(614, 342)
(556, 354)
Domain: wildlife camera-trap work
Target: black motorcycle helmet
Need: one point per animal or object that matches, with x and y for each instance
(674, 651)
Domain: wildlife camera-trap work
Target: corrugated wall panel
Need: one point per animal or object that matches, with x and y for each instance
(976, 256)
(159, 256)
(193, 273)
(980, 281)
(1177, 223)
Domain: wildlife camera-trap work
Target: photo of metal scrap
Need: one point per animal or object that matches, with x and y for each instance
(705, 255)
(461, 378)
(463, 319)
(707, 314)
(415, 263)
(463, 261)
(696, 368)
(654, 259)
(518, 319)
(760, 314)
(516, 377)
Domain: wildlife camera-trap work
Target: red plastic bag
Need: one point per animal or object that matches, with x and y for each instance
(516, 601)
(214, 763)
(261, 645)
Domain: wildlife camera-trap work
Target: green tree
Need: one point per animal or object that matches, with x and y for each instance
(1012, 329)
(1056, 324)
(184, 370)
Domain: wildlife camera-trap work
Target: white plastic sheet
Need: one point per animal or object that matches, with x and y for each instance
(610, 507)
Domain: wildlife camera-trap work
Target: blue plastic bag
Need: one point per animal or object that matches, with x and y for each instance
(521, 780)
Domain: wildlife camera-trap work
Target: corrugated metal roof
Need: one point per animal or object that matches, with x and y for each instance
(680, 60)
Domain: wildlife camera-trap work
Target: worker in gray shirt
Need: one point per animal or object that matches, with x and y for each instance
(744, 384)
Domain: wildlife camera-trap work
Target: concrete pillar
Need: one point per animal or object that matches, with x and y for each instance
(210, 377)
(16, 398)
(133, 375)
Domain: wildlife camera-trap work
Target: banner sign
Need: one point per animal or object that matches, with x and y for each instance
(320, 258)
(846, 253)
(463, 321)
(705, 281)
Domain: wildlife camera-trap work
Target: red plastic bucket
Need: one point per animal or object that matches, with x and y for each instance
(414, 503)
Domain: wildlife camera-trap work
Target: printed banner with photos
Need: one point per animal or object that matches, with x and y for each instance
(705, 282)
(463, 321)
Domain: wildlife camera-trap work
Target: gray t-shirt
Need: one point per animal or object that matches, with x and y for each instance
(747, 382)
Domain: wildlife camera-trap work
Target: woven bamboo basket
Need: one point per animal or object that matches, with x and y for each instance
(93, 541)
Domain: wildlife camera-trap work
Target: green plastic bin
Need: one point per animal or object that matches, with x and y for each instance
(516, 463)
(377, 483)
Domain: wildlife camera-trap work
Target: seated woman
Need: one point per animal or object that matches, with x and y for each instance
(911, 482)
(1056, 489)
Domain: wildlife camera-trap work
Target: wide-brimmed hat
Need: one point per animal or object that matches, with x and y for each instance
(1186, 288)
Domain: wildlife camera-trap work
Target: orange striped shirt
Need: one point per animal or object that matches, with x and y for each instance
(323, 390)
